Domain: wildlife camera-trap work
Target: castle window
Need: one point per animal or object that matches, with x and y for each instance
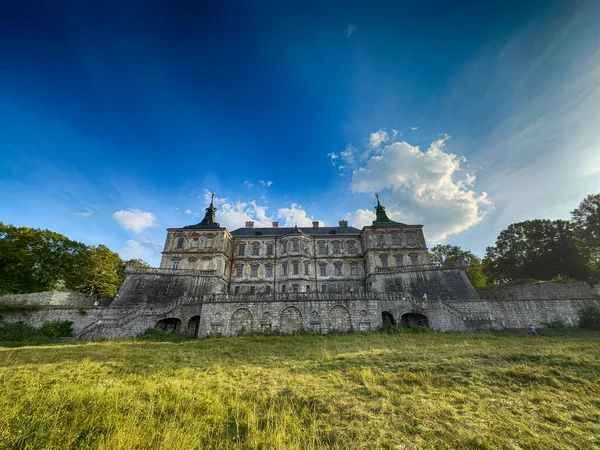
(255, 249)
(308, 288)
(353, 270)
(209, 240)
(295, 245)
(322, 248)
(285, 269)
(323, 288)
(267, 289)
(384, 261)
(269, 271)
(241, 249)
(323, 270)
(269, 249)
(284, 247)
(236, 290)
(305, 268)
(180, 243)
(398, 260)
(414, 259)
(254, 271)
(195, 242)
(351, 248)
(410, 239)
(283, 288)
(175, 264)
(396, 239)
(295, 267)
(380, 239)
(338, 270)
(239, 270)
(252, 289)
(337, 248)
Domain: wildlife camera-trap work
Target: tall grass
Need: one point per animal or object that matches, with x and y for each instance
(475, 391)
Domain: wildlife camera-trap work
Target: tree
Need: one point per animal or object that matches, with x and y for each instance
(539, 249)
(33, 260)
(453, 253)
(105, 273)
(587, 220)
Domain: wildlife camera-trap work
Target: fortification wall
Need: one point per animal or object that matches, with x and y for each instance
(521, 313)
(541, 290)
(439, 283)
(56, 298)
(164, 286)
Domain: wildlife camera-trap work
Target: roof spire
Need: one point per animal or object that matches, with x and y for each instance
(381, 216)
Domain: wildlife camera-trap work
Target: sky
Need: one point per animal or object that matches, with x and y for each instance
(118, 118)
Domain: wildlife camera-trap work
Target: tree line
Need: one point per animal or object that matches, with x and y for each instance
(538, 249)
(34, 260)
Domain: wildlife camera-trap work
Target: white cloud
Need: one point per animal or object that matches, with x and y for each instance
(134, 219)
(360, 218)
(87, 213)
(351, 29)
(378, 137)
(266, 183)
(188, 211)
(430, 184)
(147, 250)
(333, 157)
(414, 128)
(395, 133)
(248, 184)
(295, 215)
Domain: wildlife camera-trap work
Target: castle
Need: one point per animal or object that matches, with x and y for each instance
(282, 280)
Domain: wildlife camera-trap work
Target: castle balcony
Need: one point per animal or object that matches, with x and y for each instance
(420, 267)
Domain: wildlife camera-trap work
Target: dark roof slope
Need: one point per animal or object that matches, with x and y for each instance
(321, 231)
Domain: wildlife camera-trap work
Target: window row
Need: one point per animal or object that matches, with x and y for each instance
(297, 245)
(196, 241)
(399, 260)
(397, 239)
(294, 289)
(297, 268)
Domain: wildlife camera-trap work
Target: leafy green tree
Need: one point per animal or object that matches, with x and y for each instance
(104, 273)
(538, 249)
(587, 220)
(453, 253)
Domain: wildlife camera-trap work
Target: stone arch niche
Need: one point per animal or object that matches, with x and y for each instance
(193, 326)
(414, 319)
(339, 319)
(387, 319)
(169, 325)
(241, 321)
(290, 320)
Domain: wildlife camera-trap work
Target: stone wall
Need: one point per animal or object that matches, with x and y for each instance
(541, 290)
(438, 283)
(56, 298)
(521, 313)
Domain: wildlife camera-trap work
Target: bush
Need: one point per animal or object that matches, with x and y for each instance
(57, 329)
(589, 318)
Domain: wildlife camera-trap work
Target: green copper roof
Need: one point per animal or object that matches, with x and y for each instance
(381, 217)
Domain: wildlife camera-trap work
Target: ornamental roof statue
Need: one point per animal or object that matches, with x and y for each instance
(209, 220)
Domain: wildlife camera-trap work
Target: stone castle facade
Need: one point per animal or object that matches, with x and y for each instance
(212, 281)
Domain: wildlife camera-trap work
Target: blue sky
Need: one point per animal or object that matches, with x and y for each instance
(117, 118)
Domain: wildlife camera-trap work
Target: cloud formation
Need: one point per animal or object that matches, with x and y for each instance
(146, 250)
(266, 183)
(431, 186)
(134, 219)
(351, 29)
(378, 137)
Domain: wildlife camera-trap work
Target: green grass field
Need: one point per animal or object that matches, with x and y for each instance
(405, 391)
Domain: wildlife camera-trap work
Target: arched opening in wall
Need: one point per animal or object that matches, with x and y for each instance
(414, 319)
(290, 320)
(169, 325)
(193, 326)
(241, 321)
(387, 318)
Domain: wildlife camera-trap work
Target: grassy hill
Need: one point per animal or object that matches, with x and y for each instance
(404, 391)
